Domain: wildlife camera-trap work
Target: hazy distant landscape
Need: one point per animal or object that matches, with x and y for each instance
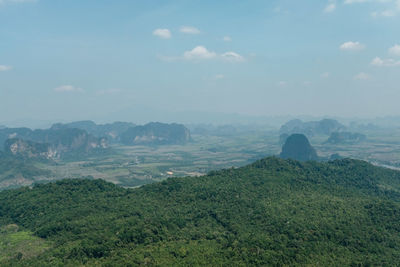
(199, 133)
(200, 149)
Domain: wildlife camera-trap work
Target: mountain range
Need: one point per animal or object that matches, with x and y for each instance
(312, 128)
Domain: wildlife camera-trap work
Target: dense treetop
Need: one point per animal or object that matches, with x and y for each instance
(272, 212)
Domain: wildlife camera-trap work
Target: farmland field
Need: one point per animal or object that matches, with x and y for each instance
(132, 166)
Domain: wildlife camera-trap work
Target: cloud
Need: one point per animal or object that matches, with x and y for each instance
(2, 2)
(325, 75)
(389, 62)
(277, 9)
(227, 38)
(68, 88)
(282, 83)
(395, 50)
(386, 13)
(391, 8)
(202, 53)
(162, 33)
(330, 8)
(198, 53)
(189, 30)
(352, 46)
(347, 2)
(232, 57)
(392, 11)
(219, 77)
(361, 76)
(5, 68)
(17, 1)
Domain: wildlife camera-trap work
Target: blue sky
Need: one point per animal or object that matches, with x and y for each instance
(69, 60)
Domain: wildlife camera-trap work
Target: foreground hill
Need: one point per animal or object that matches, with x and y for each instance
(17, 171)
(272, 212)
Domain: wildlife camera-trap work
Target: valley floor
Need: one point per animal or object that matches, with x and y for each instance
(132, 166)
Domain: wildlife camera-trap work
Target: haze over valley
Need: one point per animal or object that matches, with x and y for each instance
(199, 133)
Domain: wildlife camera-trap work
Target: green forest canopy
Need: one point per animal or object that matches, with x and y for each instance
(272, 212)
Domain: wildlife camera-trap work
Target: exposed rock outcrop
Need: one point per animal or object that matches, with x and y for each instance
(156, 133)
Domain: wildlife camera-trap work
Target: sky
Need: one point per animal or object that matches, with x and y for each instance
(120, 59)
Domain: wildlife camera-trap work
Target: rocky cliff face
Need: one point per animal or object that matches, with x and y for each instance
(29, 149)
(55, 141)
(110, 131)
(299, 148)
(156, 134)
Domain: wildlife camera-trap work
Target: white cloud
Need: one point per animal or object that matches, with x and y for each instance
(227, 38)
(162, 33)
(361, 76)
(377, 62)
(282, 83)
(391, 11)
(354, 1)
(325, 75)
(219, 77)
(352, 46)
(395, 50)
(202, 53)
(189, 30)
(68, 88)
(5, 68)
(232, 57)
(277, 9)
(386, 13)
(198, 53)
(389, 62)
(16, 1)
(330, 8)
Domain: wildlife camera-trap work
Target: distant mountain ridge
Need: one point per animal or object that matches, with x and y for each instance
(153, 133)
(87, 136)
(156, 133)
(312, 128)
(346, 138)
(58, 140)
(29, 149)
(111, 131)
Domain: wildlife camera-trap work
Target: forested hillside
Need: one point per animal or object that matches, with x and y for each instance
(272, 212)
(16, 171)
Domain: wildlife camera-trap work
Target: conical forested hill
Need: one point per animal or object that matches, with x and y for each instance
(298, 147)
(272, 212)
